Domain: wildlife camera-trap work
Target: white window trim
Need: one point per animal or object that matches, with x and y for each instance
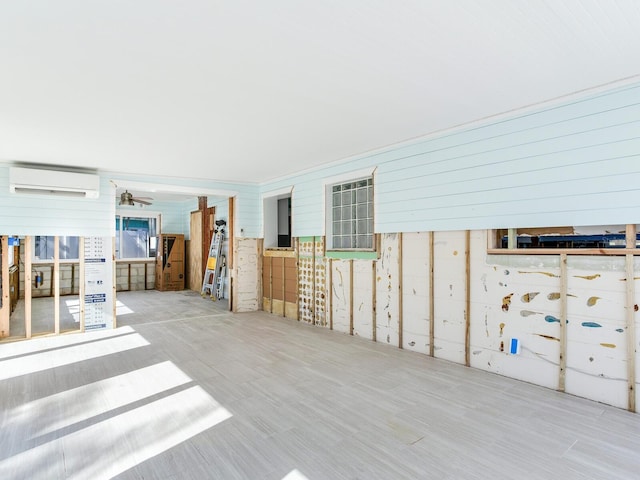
(130, 212)
(284, 192)
(328, 183)
(343, 178)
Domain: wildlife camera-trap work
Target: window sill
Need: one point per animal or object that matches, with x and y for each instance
(368, 254)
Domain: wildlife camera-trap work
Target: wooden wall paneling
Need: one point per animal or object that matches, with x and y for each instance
(431, 295)
(28, 285)
(231, 230)
(195, 254)
(284, 294)
(270, 284)
(563, 323)
(5, 310)
(277, 285)
(266, 273)
(290, 287)
(56, 285)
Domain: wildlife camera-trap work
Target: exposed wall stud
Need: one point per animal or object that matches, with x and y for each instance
(630, 317)
(284, 295)
(5, 310)
(81, 283)
(400, 294)
(431, 296)
(270, 284)
(351, 297)
(467, 306)
(563, 322)
(28, 286)
(330, 290)
(374, 298)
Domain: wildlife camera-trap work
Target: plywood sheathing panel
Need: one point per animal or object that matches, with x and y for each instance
(388, 287)
(312, 282)
(415, 277)
(362, 299)
(340, 295)
(449, 296)
(247, 275)
(596, 333)
(515, 297)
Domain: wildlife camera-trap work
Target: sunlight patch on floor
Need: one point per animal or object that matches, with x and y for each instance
(115, 445)
(88, 401)
(122, 309)
(65, 355)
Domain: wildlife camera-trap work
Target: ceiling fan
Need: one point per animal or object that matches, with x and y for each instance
(127, 198)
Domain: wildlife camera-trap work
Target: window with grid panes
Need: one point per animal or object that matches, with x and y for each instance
(352, 215)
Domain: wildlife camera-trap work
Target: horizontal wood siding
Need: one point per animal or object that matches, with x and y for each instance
(23, 214)
(576, 163)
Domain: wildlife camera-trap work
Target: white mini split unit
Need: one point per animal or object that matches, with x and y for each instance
(53, 182)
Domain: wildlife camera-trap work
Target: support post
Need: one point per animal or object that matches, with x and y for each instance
(630, 317)
(563, 322)
(400, 295)
(56, 284)
(467, 307)
(28, 286)
(432, 309)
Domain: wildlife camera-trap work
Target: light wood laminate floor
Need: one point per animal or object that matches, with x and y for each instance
(184, 390)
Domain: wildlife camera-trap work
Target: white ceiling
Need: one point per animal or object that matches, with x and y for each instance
(249, 90)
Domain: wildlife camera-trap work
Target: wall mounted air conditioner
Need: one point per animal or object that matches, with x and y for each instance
(53, 182)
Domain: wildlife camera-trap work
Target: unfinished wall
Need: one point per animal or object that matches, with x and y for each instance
(247, 272)
(311, 281)
(479, 302)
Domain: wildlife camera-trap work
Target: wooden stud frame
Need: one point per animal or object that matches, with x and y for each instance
(351, 297)
(5, 310)
(630, 318)
(56, 284)
(28, 286)
(330, 296)
(400, 295)
(374, 299)
(563, 322)
(431, 295)
(467, 307)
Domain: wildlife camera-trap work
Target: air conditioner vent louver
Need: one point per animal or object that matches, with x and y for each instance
(53, 182)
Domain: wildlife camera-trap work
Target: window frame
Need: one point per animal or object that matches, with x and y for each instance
(37, 260)
(122, 213)
(271, 218)
(630, 238)
(329, 222)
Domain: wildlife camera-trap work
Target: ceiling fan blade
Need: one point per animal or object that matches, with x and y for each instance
(138, 200)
